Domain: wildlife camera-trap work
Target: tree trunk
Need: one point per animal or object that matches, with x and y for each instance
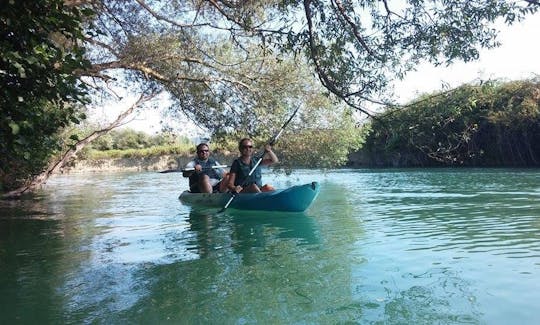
(61, 161)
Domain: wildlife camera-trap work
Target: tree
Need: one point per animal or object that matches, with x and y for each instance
(212, 55)
(227, 64)
(39, 87)
(230, 64)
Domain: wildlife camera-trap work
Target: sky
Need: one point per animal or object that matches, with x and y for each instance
(517, 58)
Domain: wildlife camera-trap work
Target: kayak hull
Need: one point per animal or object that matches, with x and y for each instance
(293, 199)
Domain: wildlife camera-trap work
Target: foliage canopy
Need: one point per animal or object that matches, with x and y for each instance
(220, 59)
(241, 67)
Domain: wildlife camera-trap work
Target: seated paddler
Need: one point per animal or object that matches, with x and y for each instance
(204, 176)
(239, 180)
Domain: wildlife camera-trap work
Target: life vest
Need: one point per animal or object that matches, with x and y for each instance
(206, 170)
(242, 173)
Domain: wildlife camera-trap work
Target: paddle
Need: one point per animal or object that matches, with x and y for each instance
(190, 169)
(271, 142)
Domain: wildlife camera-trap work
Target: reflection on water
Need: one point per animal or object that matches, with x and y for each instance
(384, 246)
(249, 234)
(24, 247)
(247, 230)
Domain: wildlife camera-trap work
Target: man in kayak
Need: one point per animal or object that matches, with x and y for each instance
(241, 166)
(204, 177)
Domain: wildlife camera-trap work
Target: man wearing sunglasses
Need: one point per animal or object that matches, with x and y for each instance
(204, 178)
(239, 181)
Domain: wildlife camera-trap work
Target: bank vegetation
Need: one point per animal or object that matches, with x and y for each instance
(489, 124)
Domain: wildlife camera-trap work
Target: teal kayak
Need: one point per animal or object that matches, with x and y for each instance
(293, 199)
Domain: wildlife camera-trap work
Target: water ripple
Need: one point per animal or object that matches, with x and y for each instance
(497, 222)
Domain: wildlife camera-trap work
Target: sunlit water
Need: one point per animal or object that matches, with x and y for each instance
(377, 246)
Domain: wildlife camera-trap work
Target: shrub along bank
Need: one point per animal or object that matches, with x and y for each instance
(492, 124)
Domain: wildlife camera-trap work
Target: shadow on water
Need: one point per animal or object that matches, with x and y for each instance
(255, 230)
(32, 247)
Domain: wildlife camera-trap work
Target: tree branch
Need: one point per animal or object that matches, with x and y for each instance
(101, 44)
(56, 165)
(320, 72)
(354, 29)
(221, 11)
(163, 18)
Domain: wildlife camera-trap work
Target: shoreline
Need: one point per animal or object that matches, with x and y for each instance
(154, 163)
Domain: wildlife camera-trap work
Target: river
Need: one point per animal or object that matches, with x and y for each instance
(412, 246)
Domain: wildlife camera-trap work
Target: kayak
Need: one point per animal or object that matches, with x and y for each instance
(293, 199)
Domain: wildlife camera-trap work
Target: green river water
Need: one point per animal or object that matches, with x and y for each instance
(435, 246)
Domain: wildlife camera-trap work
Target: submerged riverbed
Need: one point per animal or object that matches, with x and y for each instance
(377, 246)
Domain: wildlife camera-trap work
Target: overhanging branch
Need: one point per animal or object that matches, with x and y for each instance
(163, 18)
(55, 165)
(325, 80)
(354, 29)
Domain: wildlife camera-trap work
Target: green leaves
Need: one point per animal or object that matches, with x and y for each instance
(492, 124)
(14, 128)
(38, 91)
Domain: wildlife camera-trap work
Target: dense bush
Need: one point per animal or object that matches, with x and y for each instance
(491, 124)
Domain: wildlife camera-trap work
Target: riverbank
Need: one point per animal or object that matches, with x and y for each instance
(160, 163)
(135, 164)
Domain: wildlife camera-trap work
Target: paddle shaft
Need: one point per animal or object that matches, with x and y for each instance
(271, 142)
(191, 169)
(213, 167)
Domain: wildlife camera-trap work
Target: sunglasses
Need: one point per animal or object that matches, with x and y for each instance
(201, 151)
(246, 147)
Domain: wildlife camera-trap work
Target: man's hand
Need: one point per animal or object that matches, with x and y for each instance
(237, 189)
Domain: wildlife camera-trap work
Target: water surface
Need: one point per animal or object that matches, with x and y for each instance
(377, 246)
